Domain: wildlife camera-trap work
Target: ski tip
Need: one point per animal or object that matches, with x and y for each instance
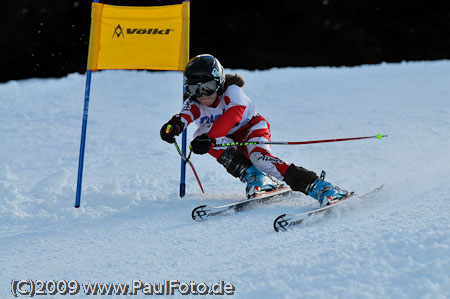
(279, 223)
(199, 213)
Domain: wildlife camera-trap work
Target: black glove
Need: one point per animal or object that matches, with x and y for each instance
(201, 144)
(171, 129)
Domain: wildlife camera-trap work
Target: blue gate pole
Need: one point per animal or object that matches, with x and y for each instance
(183, 142)
(83, 138)
(87, 92)
(183, 147)
(183, 164)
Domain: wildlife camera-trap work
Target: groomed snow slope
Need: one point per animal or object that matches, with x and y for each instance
(133, 226)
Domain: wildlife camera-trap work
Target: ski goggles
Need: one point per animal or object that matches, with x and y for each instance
(199, 89)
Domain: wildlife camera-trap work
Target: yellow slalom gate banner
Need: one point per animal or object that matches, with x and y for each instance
(125, 37)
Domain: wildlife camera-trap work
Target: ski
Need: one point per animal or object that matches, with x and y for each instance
(285, 222)
(204, 212)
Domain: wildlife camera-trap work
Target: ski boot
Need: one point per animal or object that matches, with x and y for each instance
(239, 166)
(325, 192)
(257, 182)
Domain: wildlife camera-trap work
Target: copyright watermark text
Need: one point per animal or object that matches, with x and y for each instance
(31, 288)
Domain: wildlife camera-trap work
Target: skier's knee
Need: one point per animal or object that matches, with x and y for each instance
(234, 161)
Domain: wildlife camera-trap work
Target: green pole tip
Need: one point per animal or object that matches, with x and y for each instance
(380, 136)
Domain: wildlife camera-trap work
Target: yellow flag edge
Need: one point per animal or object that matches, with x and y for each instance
(184, 45)
(94, 38)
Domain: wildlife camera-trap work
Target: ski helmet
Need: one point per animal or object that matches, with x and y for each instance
(201, 69)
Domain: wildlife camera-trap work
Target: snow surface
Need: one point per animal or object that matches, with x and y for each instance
(133, 226)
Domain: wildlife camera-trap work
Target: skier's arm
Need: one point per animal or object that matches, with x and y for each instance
(189, 113)
(224, 123)
(221, 126)
(179, 122)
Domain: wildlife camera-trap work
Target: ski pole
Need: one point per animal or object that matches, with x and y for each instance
(379, 136)
(186, 160)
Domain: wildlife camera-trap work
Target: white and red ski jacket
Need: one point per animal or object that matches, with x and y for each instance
(230, 112)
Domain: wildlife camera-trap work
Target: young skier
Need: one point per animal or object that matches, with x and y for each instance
(223, 114)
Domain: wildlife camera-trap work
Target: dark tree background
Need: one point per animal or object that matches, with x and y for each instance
(49, 38)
